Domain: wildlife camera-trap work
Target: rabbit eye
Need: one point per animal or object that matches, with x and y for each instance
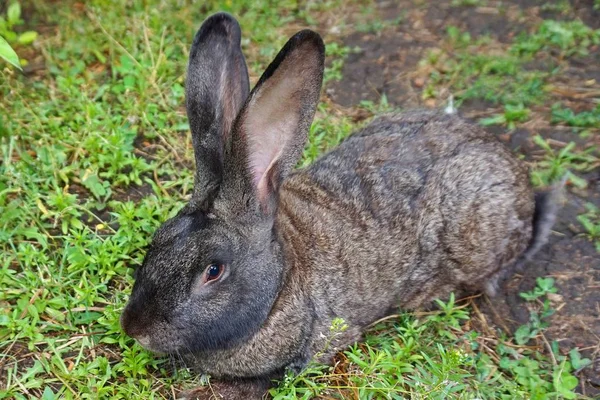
(213, 272)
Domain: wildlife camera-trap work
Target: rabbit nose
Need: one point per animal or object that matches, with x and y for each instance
(129, 325)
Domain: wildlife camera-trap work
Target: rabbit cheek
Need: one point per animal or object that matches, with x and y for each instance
(165, 339)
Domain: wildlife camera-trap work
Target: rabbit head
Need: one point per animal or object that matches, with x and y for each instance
(212, 273)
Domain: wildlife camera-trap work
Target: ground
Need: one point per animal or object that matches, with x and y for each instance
(96, 154)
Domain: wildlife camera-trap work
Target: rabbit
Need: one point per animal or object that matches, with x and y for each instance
(245, 281)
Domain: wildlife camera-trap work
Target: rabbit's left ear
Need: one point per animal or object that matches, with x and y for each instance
(272, 128)
(216, 89)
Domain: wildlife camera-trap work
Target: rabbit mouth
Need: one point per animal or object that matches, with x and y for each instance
(159, 347)
(146, 343)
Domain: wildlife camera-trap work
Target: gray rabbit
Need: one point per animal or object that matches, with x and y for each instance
(246, 280)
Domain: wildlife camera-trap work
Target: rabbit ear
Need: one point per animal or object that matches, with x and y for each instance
(272, 128)
(216, 88)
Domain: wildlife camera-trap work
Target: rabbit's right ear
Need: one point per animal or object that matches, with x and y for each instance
(217, 86)
(272, 128)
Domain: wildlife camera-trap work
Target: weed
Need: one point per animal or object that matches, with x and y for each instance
(436, 357)
(542, 288)
(503, 76)
(591, 223)
(8, 35)
(467, 3)
(567, 37)
(541, 376)
(584, 119)
(557, 164)
(472, 74)
(377, 108)
(333, 72)
(11, 20)
(538, 319)
(559, 6)
(370, 24)
(326, 132)
(512, 115)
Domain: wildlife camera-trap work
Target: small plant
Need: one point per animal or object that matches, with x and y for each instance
(540, 376)
(338, 53)
(371, 23)
(560, 6)
(304, 385)
(8, 35)
(542, 288)
(10, 21)
(577, 361)
(458, 38)
(584, 119)
(557, 164)
(538, 319)
(510, 117)
(470, 73)
(467, 3)
(449, 319)
(591, 222)
(567, 37)
(381, 107)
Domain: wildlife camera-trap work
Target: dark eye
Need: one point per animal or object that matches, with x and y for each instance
(213, 272)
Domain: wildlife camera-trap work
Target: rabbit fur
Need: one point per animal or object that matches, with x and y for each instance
(408, 209)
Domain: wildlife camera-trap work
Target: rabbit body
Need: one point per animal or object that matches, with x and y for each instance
(247, 278)
(408, 209)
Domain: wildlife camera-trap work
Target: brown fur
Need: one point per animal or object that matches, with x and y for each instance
(406, 210)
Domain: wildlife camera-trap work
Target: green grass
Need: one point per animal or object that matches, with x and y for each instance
(567, 38)
(516, 76)
(583, 119)
(95, 153)
(435, 356)
(590, 221)
(569, 161)
(472, 71)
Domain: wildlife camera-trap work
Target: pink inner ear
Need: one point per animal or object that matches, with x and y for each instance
(270, 124)
(266, 147)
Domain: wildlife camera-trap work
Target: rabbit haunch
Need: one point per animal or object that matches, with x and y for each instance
(408, 209)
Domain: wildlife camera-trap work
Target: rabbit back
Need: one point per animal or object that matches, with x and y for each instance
(406, 210)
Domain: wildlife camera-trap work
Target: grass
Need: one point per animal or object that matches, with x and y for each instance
(435, 355)
(95, 154)
(474, 72)
(584, 119)
(467, 3)
(555, 164)
(476, 69)
(590, 221)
